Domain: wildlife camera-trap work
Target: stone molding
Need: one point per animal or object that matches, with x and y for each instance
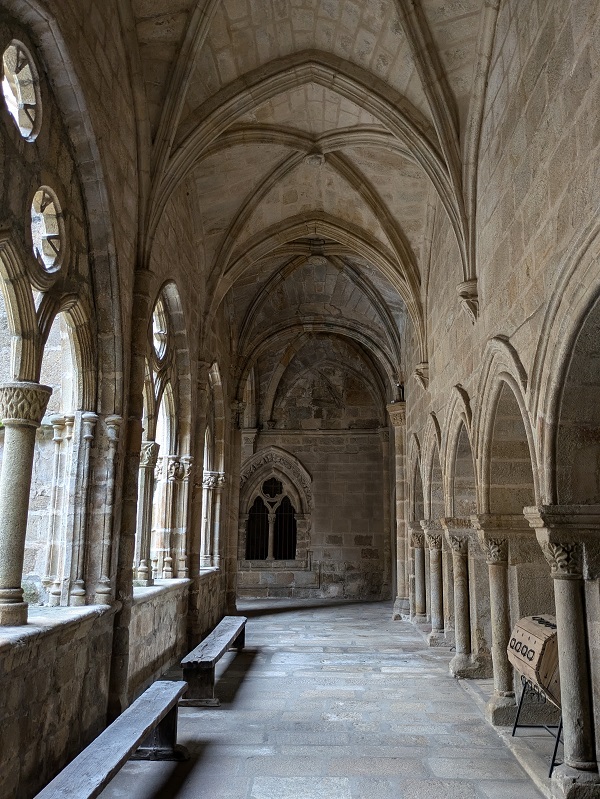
(23, 403)
(149, 454)
(467, 291)
(289, 465)
(397, 413)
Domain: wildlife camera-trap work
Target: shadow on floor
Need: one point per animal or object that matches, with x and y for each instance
(252, 608)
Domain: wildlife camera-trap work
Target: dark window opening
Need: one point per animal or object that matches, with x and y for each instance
(257, 531)
(285, 533)
(272, 487)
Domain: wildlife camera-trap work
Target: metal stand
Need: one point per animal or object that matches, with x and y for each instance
(554, 730)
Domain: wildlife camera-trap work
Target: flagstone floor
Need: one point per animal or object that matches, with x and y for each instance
(332, 701)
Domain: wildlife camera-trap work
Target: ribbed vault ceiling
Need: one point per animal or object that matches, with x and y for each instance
(314, 136)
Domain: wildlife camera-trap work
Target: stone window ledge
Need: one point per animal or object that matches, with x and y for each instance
(206, 571)
(146, 593)
(273, 565)
(46, 621)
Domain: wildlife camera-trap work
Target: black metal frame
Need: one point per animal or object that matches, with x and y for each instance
(554, 730)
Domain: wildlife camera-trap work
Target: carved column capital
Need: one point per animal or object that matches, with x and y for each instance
(187, 461)
(565, 559)
(149, 454)
(397, 413)
(175, 469)
(213, 480)
(417, 539)
(494, 549)
(23, 403)
(458, 543)
(113, 426)
(88, 423)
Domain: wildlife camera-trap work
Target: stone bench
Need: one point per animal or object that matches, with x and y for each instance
(199, 666)
(147, 730)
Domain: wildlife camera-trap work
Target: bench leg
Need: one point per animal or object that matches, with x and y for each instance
(161, 743)
(240, 641)
(201, 688)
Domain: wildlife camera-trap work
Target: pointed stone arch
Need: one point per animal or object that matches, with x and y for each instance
(274, 461)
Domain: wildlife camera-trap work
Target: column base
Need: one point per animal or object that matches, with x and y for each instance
(14, 614)
(468, 667)
(571, 783)
(436, 638)
(419, 618)
(449, 637)
(143, 583)
(401, 609)
(501, 711)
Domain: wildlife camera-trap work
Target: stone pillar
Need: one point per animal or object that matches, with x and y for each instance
(389, 545)
(448, 592)
(208, 484)
(216, 527)
(233, 504)
(52, 544)
(433, 536)
(104, 587)
(141, 314)
(397, 414)
(417, 542)
(568, 536)
(58, 593)
(148, 460)
(271, 544)
(77, 590)
(457, 536)
(183, 514)
(22, 406)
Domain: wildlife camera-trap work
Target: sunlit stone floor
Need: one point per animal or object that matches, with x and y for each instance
(332, 701)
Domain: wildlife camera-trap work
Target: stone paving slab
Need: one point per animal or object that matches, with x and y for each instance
(332, 702)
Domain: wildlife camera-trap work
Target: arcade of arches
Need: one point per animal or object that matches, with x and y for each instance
(297, 299)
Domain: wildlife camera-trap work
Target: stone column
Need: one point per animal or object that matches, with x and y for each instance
(52, 548)
(389, 545)
(417, 542)
(271, 545)
(448, 591)
(456, 531)
(58, 593)
(433, 536)
(183, 514)
(397, 414)
(568, 536)
(216, 528)
(233, 504)
(22, 406)
(148, 460)
(77, 591)
(104, 587)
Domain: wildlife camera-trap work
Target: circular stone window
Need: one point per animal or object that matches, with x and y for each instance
(47, 229)
(20, 89)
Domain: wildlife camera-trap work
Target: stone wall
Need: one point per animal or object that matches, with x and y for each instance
(346, 536)
(158, 634)
(54, 675)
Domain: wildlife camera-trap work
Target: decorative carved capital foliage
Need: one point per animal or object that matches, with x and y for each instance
(212, 480)
(175, 469)
(495, 550)
(149, 454)
(566, 560)
(459, 544)
(422, 374)
(467, 292)
(417, 539)
(23, 403)
(434, 540)
(397, 413)
(187, 462)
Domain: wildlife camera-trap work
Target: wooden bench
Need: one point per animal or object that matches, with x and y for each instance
(147, 730)
(199, 666)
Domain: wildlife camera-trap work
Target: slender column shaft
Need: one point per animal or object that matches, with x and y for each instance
(77, 592)
(417, 543)
(575, 679)
(397, 414)
(148, 460)
(22, 407)
(498, 573)
(218, 504)
(270, 555)
(462, 619)
(205, 559)
(58, 426)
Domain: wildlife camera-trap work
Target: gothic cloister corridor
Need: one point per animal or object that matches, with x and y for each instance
(332, 700)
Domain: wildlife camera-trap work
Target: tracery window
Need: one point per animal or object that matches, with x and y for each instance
(271, 531)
